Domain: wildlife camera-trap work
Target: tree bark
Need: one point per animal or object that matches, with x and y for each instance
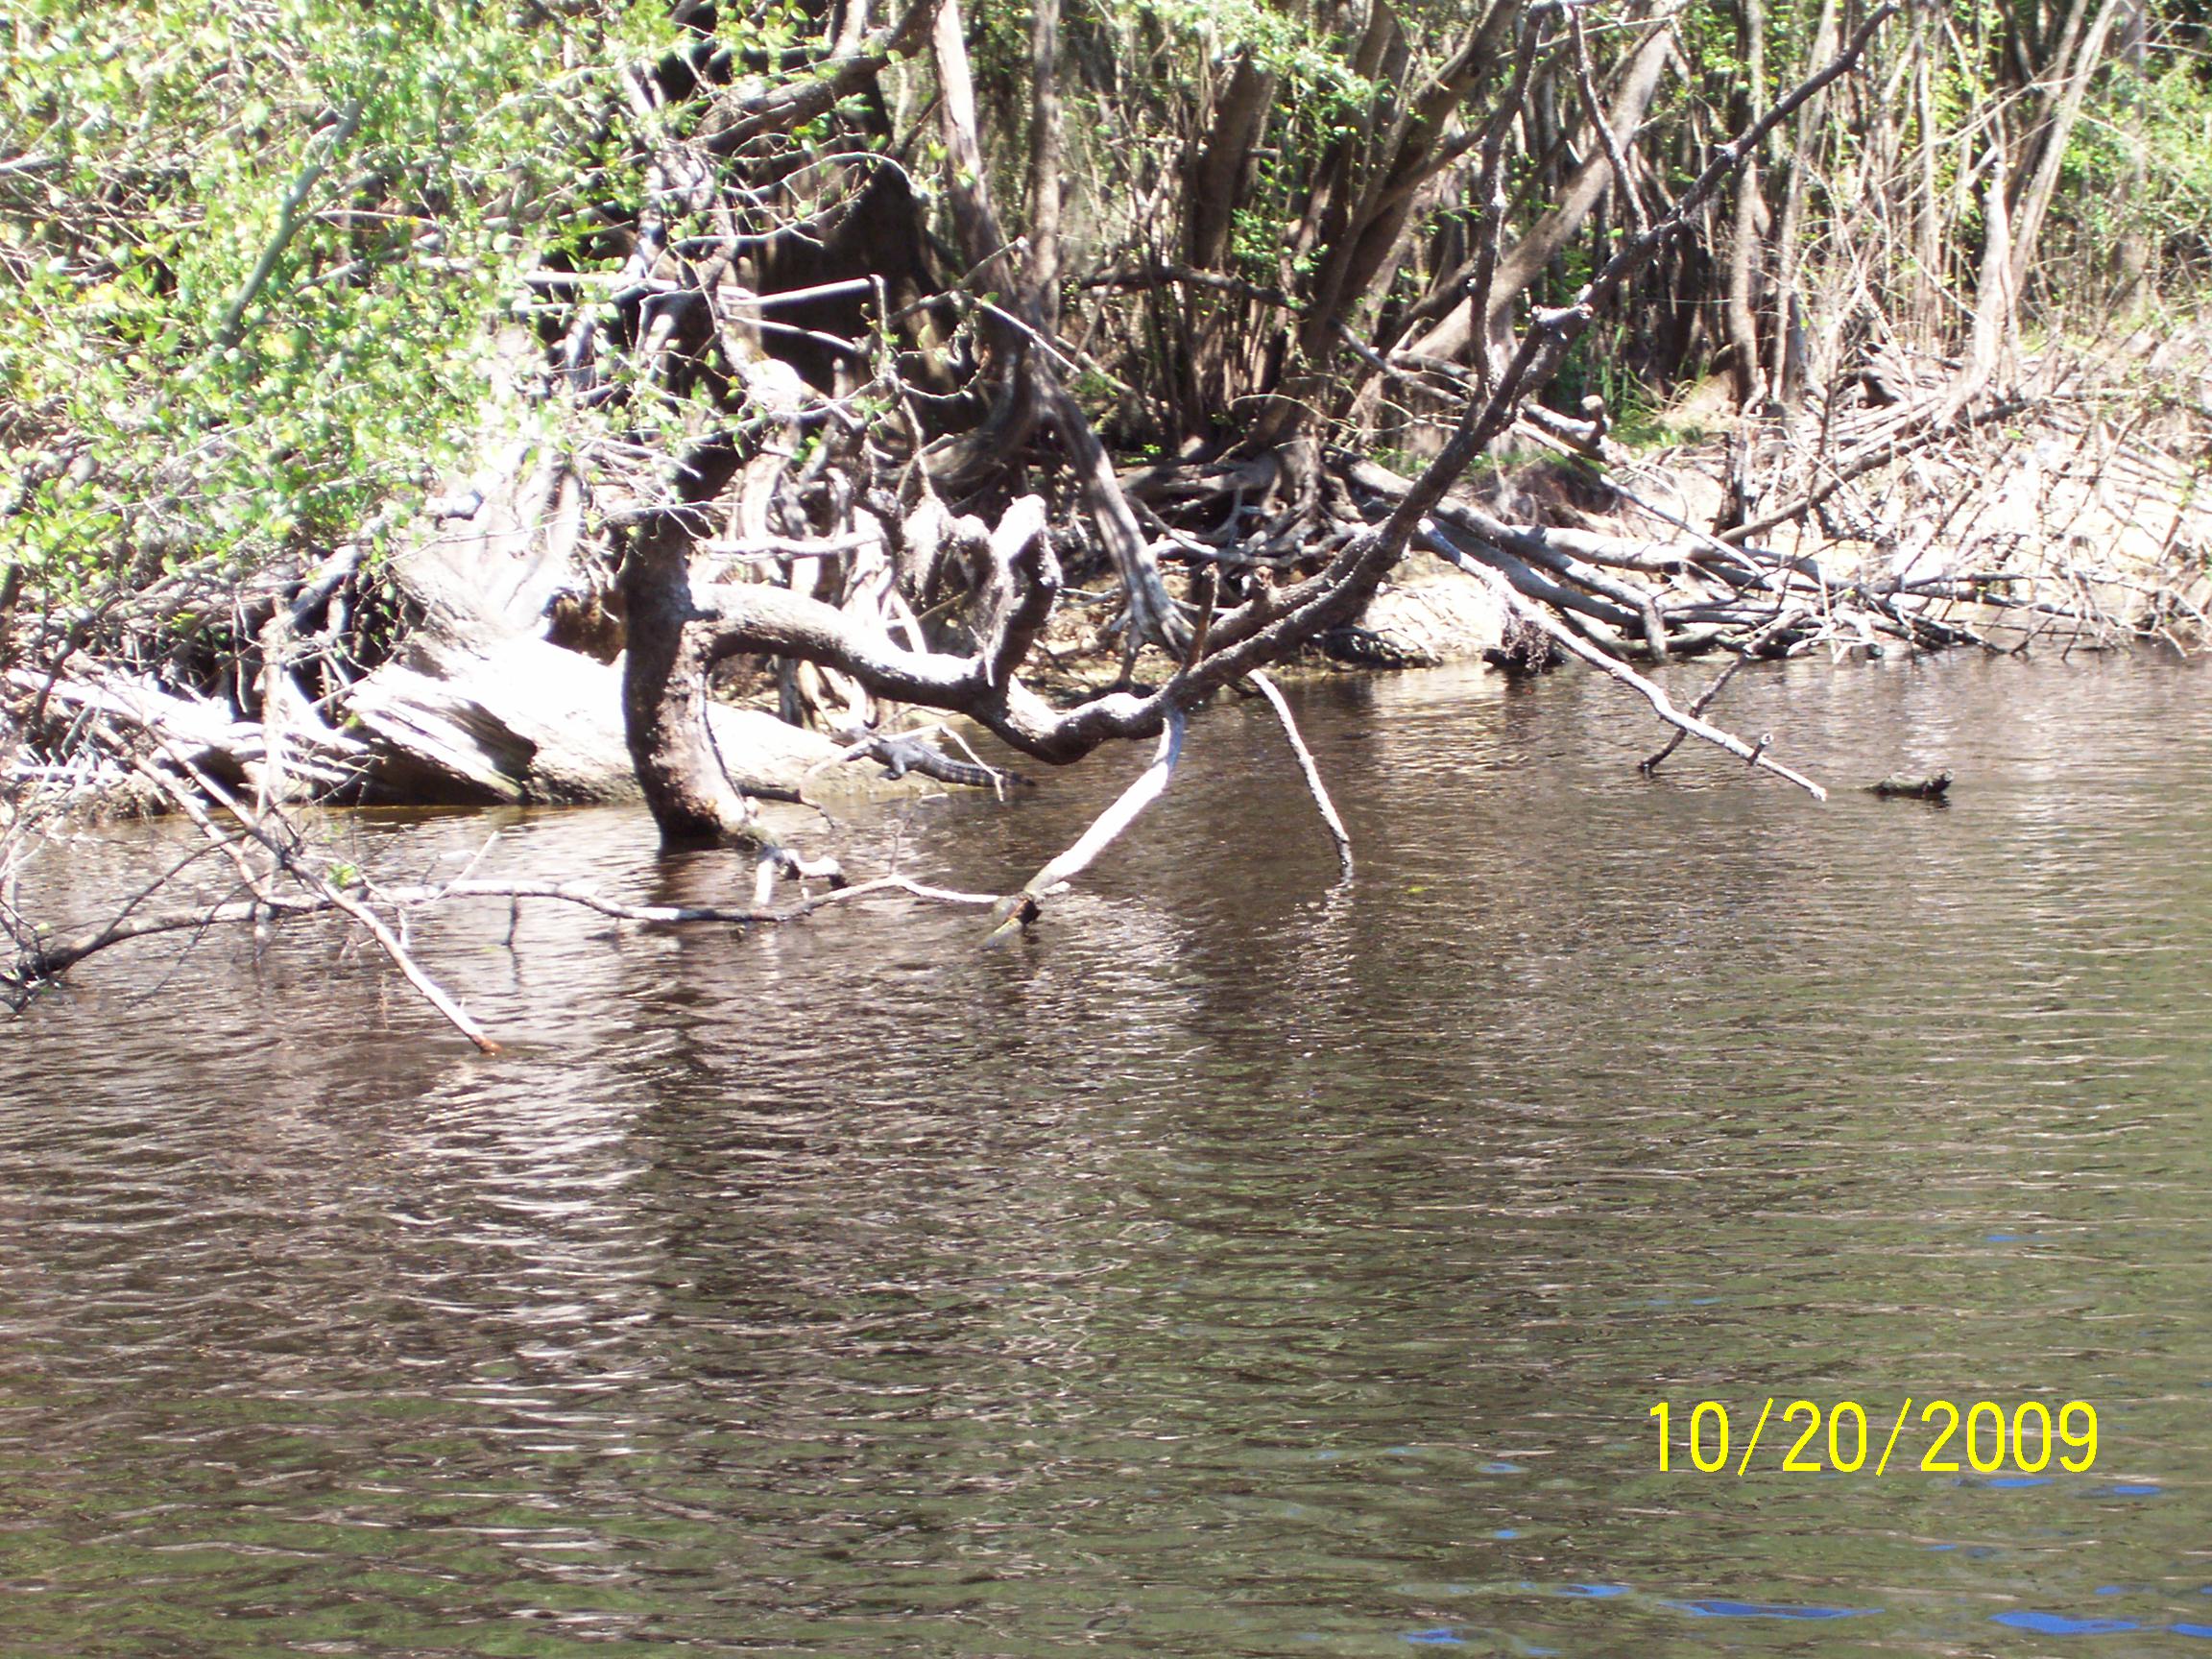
(2011, 234)
(665, 689)
(1043, 285)
(1217, 173)
(1519, 266)
(1743, 318)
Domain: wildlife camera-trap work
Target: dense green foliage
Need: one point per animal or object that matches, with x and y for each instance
(253, 249)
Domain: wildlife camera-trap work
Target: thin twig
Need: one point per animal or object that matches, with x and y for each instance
(51, 960)
(1704, 700)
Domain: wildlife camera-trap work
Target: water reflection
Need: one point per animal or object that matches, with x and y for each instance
(1237, 1266)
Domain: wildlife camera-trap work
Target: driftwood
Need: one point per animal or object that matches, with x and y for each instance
(264, 759)
(523, 722)
(515, 721)
(287, 875)
(49, 960)
(42, 962)
(1020, 908)
(1650, 763)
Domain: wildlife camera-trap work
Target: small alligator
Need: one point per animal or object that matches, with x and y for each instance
(899, 755)
(1932, 788)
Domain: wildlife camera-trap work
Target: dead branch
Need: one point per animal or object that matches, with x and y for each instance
(1336, 830)
(1018, 909)
(281, 847)
(1872, 458)
(1574, 645)
(1703, 700)
(45, 962)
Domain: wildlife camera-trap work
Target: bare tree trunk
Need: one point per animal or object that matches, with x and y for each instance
(1786, 362)
(1367, 207)
(2078, 72)
(1216, 175)
(2008, 241)
(1519, 265)
(1043, 287)
(665, 687)
(1995, 291)
(2131, 257)
(1928, 288)
(1742, 320)
(1214, 188)
(967, 188)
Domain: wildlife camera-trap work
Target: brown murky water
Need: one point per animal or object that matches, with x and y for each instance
(1235, 1267)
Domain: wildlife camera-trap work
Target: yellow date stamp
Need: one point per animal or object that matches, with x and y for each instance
(1982, 1433)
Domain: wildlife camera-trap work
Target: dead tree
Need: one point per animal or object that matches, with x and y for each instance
(1009, 576)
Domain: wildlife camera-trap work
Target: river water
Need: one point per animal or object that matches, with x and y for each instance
(1234, 1266)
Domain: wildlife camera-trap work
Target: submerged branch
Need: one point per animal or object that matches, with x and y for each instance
(1019, 910)
(39, 962)
(1574, 645)
(1313, 773)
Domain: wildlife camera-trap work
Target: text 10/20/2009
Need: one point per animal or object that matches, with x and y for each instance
(1987, 1437)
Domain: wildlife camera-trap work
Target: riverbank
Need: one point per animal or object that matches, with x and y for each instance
(472, 654)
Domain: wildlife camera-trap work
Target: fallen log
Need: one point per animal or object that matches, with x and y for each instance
(523, 722)
(1751, 753)
(202, 732)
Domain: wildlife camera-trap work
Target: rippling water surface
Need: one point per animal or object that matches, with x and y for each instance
(1231, 1267)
